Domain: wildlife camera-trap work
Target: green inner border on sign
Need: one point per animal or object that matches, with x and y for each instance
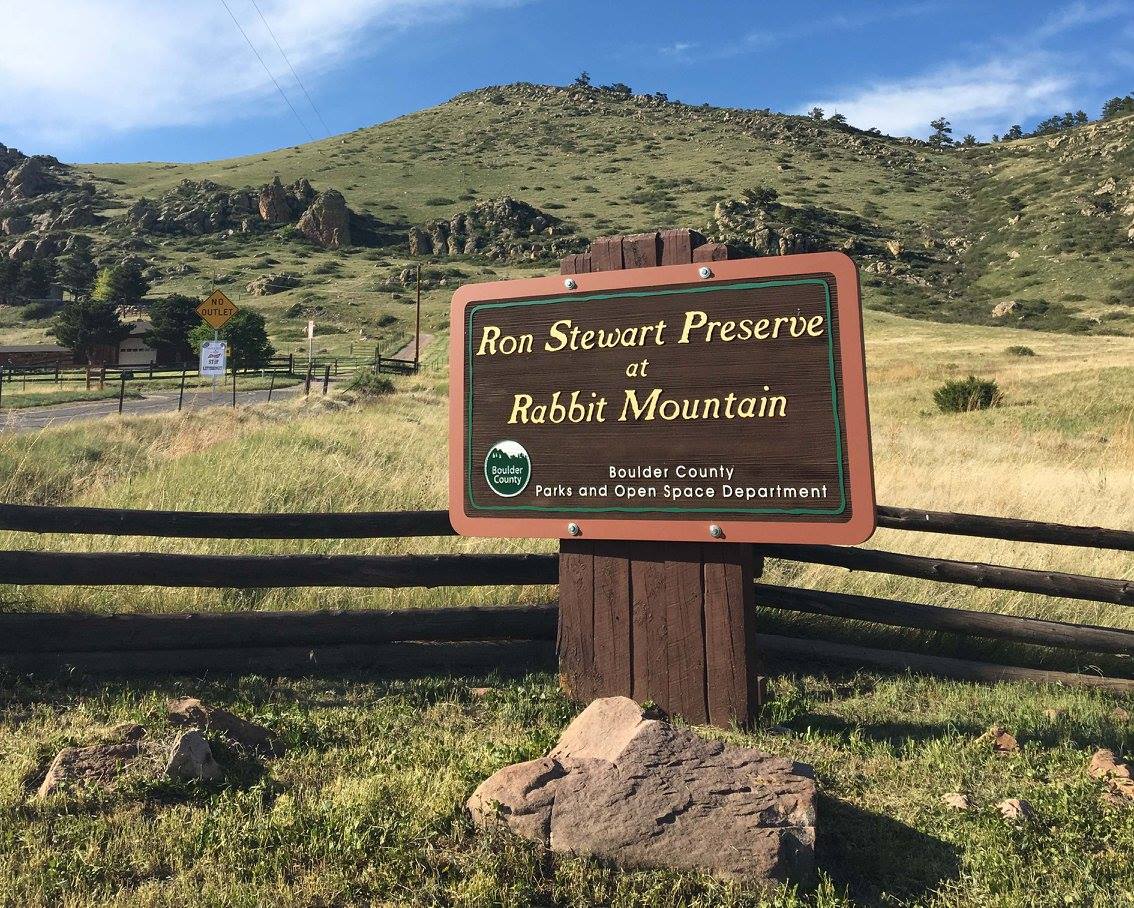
(750, 285)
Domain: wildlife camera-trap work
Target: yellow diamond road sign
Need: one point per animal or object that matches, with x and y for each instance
(217, 309)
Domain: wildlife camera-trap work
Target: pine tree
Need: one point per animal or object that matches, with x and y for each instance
(84, 324)
(76, 267)
(123, 285)
(1116, 107)
(172, 320)
(942, 132)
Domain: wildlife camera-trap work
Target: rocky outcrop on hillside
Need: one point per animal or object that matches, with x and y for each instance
(195, 207)
(327, 220)
(276, 282)
(38, 194)
(498, 229)
(758, 224)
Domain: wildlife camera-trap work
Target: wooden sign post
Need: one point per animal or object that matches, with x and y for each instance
(660, 409)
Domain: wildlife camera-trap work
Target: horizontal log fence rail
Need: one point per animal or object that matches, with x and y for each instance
(470, 638)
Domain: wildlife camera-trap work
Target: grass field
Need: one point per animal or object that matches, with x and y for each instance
(366, 807)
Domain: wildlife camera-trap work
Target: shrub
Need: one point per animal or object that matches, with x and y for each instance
(1020, 350)
(964, 395)
(41, 309)
(438, 200)
(370, 383)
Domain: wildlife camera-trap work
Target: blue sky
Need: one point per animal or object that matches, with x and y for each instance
(128, 80)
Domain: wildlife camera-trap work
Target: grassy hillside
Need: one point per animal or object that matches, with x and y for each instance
(1018, 225)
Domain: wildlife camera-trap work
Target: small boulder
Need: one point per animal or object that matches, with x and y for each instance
(956, 800)
(1003, 742)
(642, 793)
(98, 765)
(128, 732)
(250, 735)
(191, 759)
(1000, 310)
(1016, 809)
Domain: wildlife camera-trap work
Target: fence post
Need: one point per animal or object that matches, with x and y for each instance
(326, 377)
(121, 389)
(307, 382)
(234, 384)
(101, 377)
(181, 393)
(271, 385)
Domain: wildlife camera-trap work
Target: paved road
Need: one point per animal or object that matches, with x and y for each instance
(409, 350)
(29, 419)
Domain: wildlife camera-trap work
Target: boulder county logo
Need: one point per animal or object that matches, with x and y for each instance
(507, 468)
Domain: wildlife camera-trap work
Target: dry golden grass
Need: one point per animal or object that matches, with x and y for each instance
(1061, 448)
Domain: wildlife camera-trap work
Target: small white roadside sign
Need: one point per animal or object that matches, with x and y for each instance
(213, 356)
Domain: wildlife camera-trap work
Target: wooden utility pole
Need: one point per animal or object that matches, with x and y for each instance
(669, 622)
(417, 326)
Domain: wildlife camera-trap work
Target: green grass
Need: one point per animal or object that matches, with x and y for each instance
(18, 400)
(366, 807)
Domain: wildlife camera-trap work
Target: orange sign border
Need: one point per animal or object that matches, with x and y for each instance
(852, 357)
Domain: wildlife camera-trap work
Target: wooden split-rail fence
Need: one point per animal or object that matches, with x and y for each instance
(506, 638)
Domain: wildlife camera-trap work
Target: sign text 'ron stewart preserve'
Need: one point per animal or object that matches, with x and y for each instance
(681, 403)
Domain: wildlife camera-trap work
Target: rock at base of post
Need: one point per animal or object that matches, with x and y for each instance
(642, 793)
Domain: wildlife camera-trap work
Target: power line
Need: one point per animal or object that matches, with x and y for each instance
(268, 71)
(298, 81)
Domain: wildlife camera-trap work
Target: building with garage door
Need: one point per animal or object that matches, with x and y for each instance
(133, 350)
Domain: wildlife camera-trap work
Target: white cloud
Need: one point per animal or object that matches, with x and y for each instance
(70, 69)
(981, 100)
(1012, 82)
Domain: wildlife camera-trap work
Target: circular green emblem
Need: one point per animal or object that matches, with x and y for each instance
(507, 468)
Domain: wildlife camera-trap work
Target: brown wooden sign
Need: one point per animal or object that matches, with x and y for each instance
(723, 401)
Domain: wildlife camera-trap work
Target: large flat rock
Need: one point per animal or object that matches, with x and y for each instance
(642, 793)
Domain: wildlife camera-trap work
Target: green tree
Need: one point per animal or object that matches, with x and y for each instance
(123, 285)
(816, 113)
(837, 118)
(85, 323)
(36, 278)
(969, 139)
(1014, 133)
(9, 279)
(76, 267)
(942, 132)
(583, 80)
(246, 335)
(173, 319)
(1116, 107)
(761, 196)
